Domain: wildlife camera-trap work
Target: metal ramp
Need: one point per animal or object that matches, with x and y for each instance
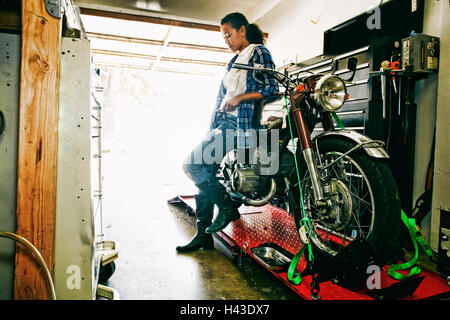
(269, 224)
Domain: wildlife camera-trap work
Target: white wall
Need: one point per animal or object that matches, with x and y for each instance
(441, 187)
(426, 100)
(292, 34)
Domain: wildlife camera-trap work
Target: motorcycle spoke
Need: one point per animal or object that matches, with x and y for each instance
(325, 234)
(356, 217)
(351, 176)
(351, 200)
(360, 199)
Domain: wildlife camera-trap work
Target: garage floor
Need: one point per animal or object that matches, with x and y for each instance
(136, 215)
(147, 230)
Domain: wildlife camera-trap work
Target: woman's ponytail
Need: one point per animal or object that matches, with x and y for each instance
(254, 34)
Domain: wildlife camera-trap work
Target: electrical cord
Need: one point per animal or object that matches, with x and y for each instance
(36, 255)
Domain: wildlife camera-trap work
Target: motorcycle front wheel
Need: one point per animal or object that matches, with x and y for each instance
(362, 197)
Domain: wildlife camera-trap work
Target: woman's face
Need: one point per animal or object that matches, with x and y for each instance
(235, 39)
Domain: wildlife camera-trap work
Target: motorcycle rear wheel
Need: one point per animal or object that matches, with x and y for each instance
(366, 201)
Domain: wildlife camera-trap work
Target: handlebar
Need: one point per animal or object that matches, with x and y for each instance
(262, 69)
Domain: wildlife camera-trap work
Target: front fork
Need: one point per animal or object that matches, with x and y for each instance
(313, 173)
(308, 154)
(307, 149)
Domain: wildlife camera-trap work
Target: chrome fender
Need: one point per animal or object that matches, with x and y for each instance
(372, 150)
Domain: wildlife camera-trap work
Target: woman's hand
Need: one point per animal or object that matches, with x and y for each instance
(231, 104)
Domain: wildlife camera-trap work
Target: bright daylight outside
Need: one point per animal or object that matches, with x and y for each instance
(160, 85)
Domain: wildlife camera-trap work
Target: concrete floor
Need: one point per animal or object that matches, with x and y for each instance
(147, 229)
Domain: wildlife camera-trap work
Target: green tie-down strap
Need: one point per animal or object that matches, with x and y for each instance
(305, 221)
(410, 223)
(416, 239)
(293, 276)
(338, 121)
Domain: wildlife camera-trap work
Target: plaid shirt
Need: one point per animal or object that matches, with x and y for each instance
(262, 82)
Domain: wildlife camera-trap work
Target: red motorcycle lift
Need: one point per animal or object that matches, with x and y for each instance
(264, 228)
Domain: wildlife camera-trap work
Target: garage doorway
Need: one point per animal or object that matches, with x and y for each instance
(160, 86)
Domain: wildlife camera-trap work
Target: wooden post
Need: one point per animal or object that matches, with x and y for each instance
(37, 152)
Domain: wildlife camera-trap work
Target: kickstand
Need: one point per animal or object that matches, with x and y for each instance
(315, 287)
(311, 269)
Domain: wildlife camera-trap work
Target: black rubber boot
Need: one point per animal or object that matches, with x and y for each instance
(228, 209)
(204, 211)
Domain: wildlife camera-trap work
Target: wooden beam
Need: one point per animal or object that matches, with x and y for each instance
(198, 47)
(135, 17)
(93, 35)
(194, 61)
(37, 152)
(123, 54)
(161, 50)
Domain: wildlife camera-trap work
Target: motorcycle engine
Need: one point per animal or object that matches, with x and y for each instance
(252, 178)
(246, 181)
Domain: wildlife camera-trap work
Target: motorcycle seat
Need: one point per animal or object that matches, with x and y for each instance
(258, 112)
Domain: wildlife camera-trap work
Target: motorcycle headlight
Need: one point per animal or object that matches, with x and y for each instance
(330, 93)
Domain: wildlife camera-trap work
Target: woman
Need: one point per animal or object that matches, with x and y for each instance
(238, 92)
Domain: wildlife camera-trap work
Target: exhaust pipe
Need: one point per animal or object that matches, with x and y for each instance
(256, 203)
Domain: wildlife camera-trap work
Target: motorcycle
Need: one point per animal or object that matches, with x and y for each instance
(339, 179)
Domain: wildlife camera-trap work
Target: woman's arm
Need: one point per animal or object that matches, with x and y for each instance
(265, 86)
(232, 104)
(264, 82)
